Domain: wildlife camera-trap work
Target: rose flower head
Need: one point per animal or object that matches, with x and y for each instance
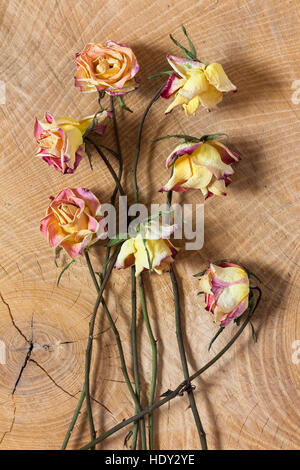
(73, 221)
(109, 68)
(61, 142)
(150, 249)
(204, 165)
(226, 291)
(194, 83)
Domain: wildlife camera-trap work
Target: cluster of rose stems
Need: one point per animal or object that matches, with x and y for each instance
(185, 386)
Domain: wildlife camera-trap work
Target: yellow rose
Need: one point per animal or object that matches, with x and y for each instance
(205, 166)
(226, 290)
(60, 140)
(193, 84)
(161, 252)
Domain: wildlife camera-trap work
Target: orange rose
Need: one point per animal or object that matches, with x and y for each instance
(109, 68)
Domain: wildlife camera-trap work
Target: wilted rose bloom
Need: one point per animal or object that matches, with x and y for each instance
(194, 84)
(161, 251)
(226, 290)
(202, 165)
(111, 68)
(60, 140)
(73, 221)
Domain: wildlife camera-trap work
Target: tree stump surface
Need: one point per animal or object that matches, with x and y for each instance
(249, 399)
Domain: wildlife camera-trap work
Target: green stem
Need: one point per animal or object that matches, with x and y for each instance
(141, 287)
(133, 327)
(85, 391)
(136, 364)
(181, 388)
(88, 354)
(181, 348)
(184, 364)
(113, 198)
(154, 357)
(134, 351)
(138, 146)
(116, 333)
(107, 163)
(74, 419)
(116, 132)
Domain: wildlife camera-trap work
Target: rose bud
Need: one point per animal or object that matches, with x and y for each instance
(202, 165)
(151, 251)
(193, 84)
(61, 140)
(226, 291)
(109, 68)
(73, 221)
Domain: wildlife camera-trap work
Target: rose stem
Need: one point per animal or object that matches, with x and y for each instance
(134, 350)
(154, 356)
(88, 355)
(135, 363)
(138, 145)
(119, 150)
(141, 286)
(185, 369)
(113, 198)
(74, 419)
(84, 393)
(123, 364)
(118, 340)
(133, 303)
(107, 163)
(182, 386)
(181, 348)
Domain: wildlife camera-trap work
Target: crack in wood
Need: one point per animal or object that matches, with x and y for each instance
(12, 318)
(12, 422)
(27, 358)
(51, 378)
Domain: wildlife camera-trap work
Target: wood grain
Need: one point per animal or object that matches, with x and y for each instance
(249, 399)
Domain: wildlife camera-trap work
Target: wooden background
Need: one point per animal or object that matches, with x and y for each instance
(249, 399)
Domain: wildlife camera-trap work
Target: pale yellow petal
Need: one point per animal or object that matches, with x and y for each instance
(177, 101)
(211, 97)
(160, 250)
(126, 255)
(66, 122)
(181, 173)
(218, 188)
(84, 124)
(201, 177)
(74, 140)
(192, 106)
(232, 296)
(205, 283)
(141, 257)
(217, 77)
(194, 85)
(207, 156)
(229, 273)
